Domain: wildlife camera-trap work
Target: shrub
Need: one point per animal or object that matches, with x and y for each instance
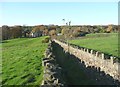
(46, 40)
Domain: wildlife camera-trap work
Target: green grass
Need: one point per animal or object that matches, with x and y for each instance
(107, 43)
(22, 61)
(101, 34)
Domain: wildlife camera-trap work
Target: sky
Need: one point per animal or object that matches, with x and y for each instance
(79, 13)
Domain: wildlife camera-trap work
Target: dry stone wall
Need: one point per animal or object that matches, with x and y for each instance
(52, 71)
(93, 58)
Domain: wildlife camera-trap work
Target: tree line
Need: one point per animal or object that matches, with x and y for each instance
(10, 32)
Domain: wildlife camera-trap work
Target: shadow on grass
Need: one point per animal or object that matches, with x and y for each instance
(4, 41)
(76, 73)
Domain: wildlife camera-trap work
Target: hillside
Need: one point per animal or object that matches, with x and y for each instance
(22, 61)
(107, 43)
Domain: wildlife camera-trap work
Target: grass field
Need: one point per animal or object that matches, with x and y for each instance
(22, 61)
(107, 43)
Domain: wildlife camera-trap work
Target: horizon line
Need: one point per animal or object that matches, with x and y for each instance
(58, 25)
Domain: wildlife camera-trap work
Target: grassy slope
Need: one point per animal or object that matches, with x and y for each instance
(0, 63)
(22, 61)
(103, 43)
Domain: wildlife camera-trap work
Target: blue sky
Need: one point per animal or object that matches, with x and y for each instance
(80, 13)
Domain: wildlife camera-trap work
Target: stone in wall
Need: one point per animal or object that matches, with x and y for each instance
(52, 71)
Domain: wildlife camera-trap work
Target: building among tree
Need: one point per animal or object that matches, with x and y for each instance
(36, 34)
